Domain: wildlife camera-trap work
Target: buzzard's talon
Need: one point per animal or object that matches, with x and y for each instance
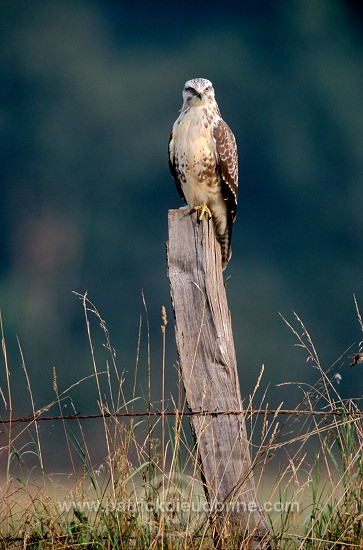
(203, 210)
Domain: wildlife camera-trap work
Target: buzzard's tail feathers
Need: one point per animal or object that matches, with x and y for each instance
(226, 251)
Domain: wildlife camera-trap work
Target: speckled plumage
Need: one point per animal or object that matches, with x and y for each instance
(203, 159)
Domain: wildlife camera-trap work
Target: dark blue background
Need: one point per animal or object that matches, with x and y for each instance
(89, 92)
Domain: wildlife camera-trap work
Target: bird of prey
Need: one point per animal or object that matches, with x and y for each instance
(203, 160)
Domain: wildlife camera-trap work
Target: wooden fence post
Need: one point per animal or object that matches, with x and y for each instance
(208, 365)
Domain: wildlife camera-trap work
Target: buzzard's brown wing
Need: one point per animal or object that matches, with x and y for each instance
(228, 164)
(227, 160)
(172, 167)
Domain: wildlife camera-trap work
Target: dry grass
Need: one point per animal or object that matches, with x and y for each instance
(148, 492)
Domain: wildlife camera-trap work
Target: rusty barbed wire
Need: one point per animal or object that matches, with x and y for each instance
(246, 412)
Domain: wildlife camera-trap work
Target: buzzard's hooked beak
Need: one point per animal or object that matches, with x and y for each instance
(199, 93)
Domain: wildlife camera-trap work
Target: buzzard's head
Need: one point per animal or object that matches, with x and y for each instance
(198, 91)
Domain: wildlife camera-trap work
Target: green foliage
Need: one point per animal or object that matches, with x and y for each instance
(148, 492)
(337, 511)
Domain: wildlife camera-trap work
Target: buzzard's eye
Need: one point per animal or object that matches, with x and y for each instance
(190, 89)
(207, 89)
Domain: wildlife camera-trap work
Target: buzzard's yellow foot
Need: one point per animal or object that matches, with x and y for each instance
(203, 209)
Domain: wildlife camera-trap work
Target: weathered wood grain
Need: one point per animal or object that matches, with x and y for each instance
(208, 364)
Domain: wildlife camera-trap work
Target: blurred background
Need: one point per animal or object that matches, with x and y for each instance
(88, 94)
